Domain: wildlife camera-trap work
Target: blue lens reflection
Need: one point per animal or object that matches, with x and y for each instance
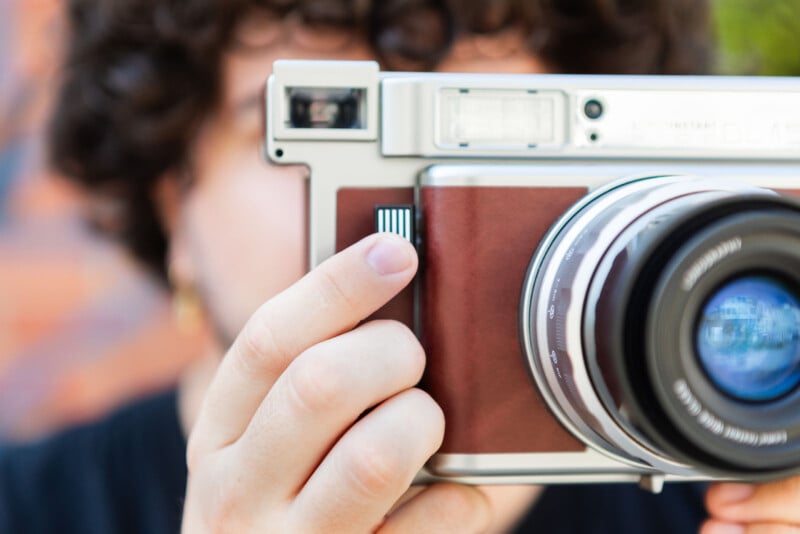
(748, 338)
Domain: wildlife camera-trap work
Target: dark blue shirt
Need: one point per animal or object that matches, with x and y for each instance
(127, 474)
(124, 474)
(617, 509)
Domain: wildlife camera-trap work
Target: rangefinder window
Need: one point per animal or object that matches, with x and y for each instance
(323, 107)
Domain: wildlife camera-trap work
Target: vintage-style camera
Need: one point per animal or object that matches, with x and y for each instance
(609, 286)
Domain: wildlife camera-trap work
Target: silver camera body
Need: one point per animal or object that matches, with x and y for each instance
(617, 167)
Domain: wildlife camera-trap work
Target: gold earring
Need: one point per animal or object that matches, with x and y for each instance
(188, 309)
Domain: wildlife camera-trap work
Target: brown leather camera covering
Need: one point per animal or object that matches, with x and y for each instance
(479, 242)
(477, 253)
(477, 245)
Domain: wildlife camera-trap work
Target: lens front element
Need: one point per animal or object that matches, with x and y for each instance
(748, 339)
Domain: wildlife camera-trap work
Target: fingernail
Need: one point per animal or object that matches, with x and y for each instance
(389, 255)
(717, 527)
(730, 493)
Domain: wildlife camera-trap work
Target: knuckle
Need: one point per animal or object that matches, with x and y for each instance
(219, 501)
(260, 351)
(333, 294)
(226, 515)
(314, 384)
(371, 470)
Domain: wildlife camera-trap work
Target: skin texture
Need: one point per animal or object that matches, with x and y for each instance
(297, 371)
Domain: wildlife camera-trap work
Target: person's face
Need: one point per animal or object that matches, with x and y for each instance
(238, 231)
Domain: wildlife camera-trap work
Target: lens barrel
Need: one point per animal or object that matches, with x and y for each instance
(661, 324)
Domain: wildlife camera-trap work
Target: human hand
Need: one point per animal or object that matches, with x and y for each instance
(280, 444)
(768, 508)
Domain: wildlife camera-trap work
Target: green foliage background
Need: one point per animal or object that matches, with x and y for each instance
(757, 37)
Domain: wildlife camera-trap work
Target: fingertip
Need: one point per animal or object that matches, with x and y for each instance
(725, 494)
(389, 254)
(435, 412)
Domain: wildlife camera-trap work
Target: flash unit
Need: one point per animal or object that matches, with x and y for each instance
(500, 118)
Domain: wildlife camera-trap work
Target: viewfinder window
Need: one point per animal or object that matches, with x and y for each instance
(334, 108)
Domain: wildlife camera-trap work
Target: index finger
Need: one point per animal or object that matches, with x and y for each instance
(329, 300)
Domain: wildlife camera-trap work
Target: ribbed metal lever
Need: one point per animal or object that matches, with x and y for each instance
(398, 219)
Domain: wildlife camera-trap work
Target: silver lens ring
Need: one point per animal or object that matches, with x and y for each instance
(584, 246)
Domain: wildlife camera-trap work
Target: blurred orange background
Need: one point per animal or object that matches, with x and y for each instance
(82, 328)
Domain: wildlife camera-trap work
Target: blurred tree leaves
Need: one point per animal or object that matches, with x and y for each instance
(758, 37)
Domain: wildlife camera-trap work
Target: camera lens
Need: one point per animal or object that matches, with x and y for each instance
(748, 339)
(593, 109)
(663, 325)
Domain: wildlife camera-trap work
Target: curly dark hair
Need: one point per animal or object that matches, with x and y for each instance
(140, 75)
